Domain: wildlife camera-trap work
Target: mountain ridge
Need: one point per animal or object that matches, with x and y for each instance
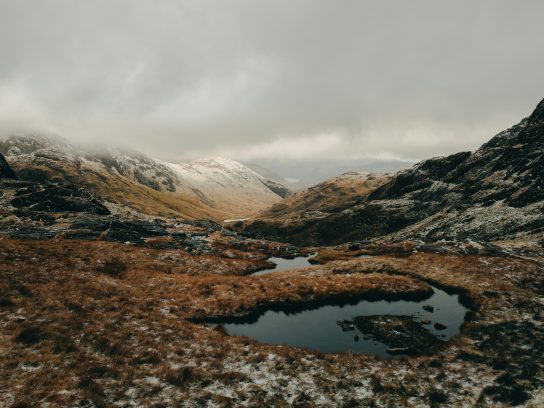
(493, 193)
(215, 188)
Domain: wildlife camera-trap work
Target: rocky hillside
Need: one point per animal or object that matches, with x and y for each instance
(494, 193)
(212, 188)
(333, 195)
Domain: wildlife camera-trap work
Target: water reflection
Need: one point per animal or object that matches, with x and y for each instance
(317, 329)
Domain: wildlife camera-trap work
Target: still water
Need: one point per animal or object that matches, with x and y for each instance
(286, 264)
(316, 328)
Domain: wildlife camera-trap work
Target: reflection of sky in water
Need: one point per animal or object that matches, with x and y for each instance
(286, 264)
(317, 329)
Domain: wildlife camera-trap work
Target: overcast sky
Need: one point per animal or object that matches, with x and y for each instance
(275, 78)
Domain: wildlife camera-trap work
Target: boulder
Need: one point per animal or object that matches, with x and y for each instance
(6, 172)
(132, 231)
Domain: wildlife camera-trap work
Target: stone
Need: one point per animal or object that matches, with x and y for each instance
(346, 325)
(32, 233)
(57, 198)
(6, 172)
(131, 231)
(440, 326)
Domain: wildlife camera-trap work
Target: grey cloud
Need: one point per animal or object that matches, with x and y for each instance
(184, 78)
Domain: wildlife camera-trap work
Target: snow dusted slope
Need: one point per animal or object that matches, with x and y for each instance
(210, 188)
(225, 182)
(221, 183)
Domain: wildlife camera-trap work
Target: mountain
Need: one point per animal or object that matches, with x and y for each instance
(334, 195)
(213, 188)
(286, 186)
(494, 193)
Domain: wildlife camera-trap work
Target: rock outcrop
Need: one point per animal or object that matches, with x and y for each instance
(5, 170)
(52, 198)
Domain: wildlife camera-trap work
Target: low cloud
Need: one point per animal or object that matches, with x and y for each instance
(302, 147)
(256, 78)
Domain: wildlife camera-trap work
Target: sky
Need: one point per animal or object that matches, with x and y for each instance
(281, 79)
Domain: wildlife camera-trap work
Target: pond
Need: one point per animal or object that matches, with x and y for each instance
(283, 264)
(383, 328)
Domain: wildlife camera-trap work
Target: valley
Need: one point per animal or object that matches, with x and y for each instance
(122, 286)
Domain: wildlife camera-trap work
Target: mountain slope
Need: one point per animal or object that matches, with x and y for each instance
(281, 186)
(333, 195)
(226, 182)
(212, 188)
(494, 193)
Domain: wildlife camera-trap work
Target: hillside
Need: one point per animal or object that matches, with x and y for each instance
(210, 188)
(494, 193)
(333, 195)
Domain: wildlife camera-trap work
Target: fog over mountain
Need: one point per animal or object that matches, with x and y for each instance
(254, 80)
(308, 172)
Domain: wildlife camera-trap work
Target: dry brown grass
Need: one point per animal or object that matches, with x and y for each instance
(122, 190)
(73, 333)
(329, 196)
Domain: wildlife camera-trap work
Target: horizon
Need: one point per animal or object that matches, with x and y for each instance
(301, 173)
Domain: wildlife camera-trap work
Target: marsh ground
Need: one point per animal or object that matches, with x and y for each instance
(95, 323)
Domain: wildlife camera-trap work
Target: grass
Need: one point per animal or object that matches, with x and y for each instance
(114, 267)
(127, 192)
(103, 322)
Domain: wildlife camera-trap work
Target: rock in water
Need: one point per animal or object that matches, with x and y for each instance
(5, 170)
(401, 334)
(426, 321)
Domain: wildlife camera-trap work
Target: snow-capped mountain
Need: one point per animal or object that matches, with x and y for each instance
(216, 187)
